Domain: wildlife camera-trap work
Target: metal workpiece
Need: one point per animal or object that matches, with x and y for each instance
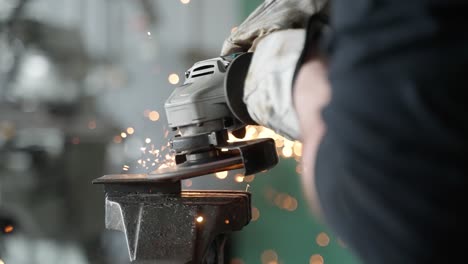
(165, 225)
(252, 156)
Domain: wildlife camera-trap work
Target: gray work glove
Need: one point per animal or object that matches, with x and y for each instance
(270, 16)
(267, 87)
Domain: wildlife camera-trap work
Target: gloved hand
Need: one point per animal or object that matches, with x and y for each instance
(270, 16)
(295, 113)
(267, 87)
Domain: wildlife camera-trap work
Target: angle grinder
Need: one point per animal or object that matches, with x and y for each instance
(202, 111)
(163, 223)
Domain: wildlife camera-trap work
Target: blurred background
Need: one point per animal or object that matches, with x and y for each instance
(82, 88)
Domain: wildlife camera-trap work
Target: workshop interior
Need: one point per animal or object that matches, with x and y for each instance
(101, 161)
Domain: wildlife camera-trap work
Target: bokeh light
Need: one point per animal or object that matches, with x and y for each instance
(153, 116)
(287, 152)
(297, 149)
(322, 239)
(255, 214)
(8, 229)
(221, 175)
(239, 178)
(269, 256)
(173, 78)
(316, 259)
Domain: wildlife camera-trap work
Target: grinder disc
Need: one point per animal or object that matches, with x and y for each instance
(176, 173)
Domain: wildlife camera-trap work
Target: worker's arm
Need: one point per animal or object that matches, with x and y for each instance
(284, 58)
(311, 94)
(268, 88)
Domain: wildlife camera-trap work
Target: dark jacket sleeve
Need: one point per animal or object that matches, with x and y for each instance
(392, 169)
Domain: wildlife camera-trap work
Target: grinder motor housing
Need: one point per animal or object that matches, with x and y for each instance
(201, 104)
